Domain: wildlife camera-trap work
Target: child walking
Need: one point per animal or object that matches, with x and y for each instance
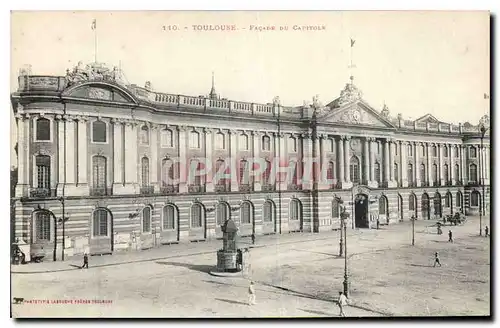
(85, 261)
(251, 294)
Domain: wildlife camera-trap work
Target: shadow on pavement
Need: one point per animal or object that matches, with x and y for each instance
(317, 312)
(422, 265)
(230, 301)
(195, 267)
(75, 266)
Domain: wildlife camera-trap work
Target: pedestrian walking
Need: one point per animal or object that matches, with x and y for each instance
(450, 236)
(486, 231)
(436, 259)
(253, 238)
(85, 261)
(378, 223)
(342, 301)
(251, 294)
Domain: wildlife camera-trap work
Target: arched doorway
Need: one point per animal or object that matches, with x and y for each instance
(438, 210)
(101, 232)
(247, 222)
(222, 214)
(44, 233)
(448, 203)
(400, 207)
(295, 222)
(269, 217)
(426, 210)
(459, 202)
(170, 227)
(361, 211)
(383, 209)
(412, 205)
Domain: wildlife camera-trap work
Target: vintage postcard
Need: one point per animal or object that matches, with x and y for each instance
(175, 164)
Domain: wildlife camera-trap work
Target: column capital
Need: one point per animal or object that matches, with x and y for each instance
(70, 118)
(233, 132)
(256, 133)
(154, 126)
(346, 138)
(305, 135)
(370, 139)
(208, 130)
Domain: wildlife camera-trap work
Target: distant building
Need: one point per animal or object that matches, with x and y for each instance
(103, 149)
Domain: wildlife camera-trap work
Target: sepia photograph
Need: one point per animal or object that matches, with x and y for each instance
(250, 164)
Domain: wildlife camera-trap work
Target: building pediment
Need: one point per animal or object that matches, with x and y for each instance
(429, 118)
(355, 113)
(100, 91)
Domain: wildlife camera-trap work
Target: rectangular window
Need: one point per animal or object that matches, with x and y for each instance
(42, 226)
(99, 133)
(42, 129)
(266, 143)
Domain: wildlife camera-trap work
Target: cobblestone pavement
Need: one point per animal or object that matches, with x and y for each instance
(296, 275)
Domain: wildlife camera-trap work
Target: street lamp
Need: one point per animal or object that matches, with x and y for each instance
(344, 217)
(483, 127)
(341, 242)
(413, 230)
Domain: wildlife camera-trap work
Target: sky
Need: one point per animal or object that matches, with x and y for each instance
(415, 62)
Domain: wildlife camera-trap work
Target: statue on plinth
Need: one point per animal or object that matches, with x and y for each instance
(230, 257)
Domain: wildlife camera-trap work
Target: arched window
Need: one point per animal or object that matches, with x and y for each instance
(246, 213)
(220, 168)
(266, 143)
(425, 205)
(268, 211)
(196, 216)
(459, 199)
(472, 152)
(377, 173)
(42, 226)
(445, 150)
(412, 202)
(145, 171)
(445, 173)
(243, 142)
(267, 173)
(474, 199)
(99, 172)
(244, 172)
(330, 173)
(335, 208)
(382, 205)
(167, 138)
(99, 133)
(422, 150)
(456, 151)
(457, 172)
(144, 136)
(332, 145)
(473, 173)
(410, 173)
(42, 129)
(43, 171)
(169, 217)
(195, 168)
(447, 200)
(146, 219)
(295, 210)
(292, 144)
(396, 172)
(100, 223)
(434, 151)
(354, 169)
(435, 173)
(194, 140)
(422, 173)
(222, 213)
(220, 141)
(410, 150)
(437, 204)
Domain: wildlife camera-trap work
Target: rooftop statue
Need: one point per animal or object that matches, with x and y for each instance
(91, 72)
(350, 94)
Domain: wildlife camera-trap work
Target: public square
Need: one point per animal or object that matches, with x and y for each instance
(296, 275)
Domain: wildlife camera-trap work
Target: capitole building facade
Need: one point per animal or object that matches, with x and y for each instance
(96, 171)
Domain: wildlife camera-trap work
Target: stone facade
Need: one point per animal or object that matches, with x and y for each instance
(97, 152)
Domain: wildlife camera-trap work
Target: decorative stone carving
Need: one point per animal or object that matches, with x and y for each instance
(385, 111)
(276, 101)
(92, 72)
(350, 94)
(484, 121)
(355, 145)
(99, 93)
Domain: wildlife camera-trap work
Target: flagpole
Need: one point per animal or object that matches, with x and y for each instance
(95, 44)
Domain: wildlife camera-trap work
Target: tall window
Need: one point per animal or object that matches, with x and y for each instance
(474, 199)
(473, 173)
(293, 167)
(434, 151)
(434, 172)
(146, 219)
(382, 205)
(244, 172)
(456, 152)
(457, 172)
(330, 173)
(445, 173)
(396, 149)
(268, 211)
(196, 216)
(410, 173)
(377, 173)
(422, 173)
(145, 171)
(267, 173)
(332, 145)
(472, 152)
(169, 217)
(354, 166)
(447, 200)
(459, 199)
(169, 172)
(220, 141)
(42, 226)
(194, 139)
(425, 205)
(292, 144)
(335, 208)
(396, 172)
(42, 129)
(99, 133)
(220, 168)
(445, 150)
(222, 213)
(167, 138)
(410, 150)
(195, 168)
(266, 143)
(100, 223)
(422, 150)
(243, 142)
(246, 213)
(294, 210)
(99, 172)
(411, 202)
(43, 171)
(144, 136)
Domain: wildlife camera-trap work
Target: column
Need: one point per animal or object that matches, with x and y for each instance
(70, 150)
(22, 157)
(416, 166)
(404, 163)
(323, 163)
(184, 164)
(366, 158)
(60, 154)
(154, 158)
(373, 147)
(451, 171)
(387, 174)
(347, 157)
(233, 157)
(441, 165)
(118, 157)
(487, 164)
(483, 162)
(83, 155)
(306, 152)
(340, 160)
(315, 160)
(131, 158)
(209, 169)
(257, 179)
(463, 166)
(392, 158)
(429, 166)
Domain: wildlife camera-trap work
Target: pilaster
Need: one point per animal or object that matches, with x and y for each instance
(23, 140)
(184, 164)
(209, 176)
(154, 158)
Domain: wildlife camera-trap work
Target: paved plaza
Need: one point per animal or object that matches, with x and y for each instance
(297, 275)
